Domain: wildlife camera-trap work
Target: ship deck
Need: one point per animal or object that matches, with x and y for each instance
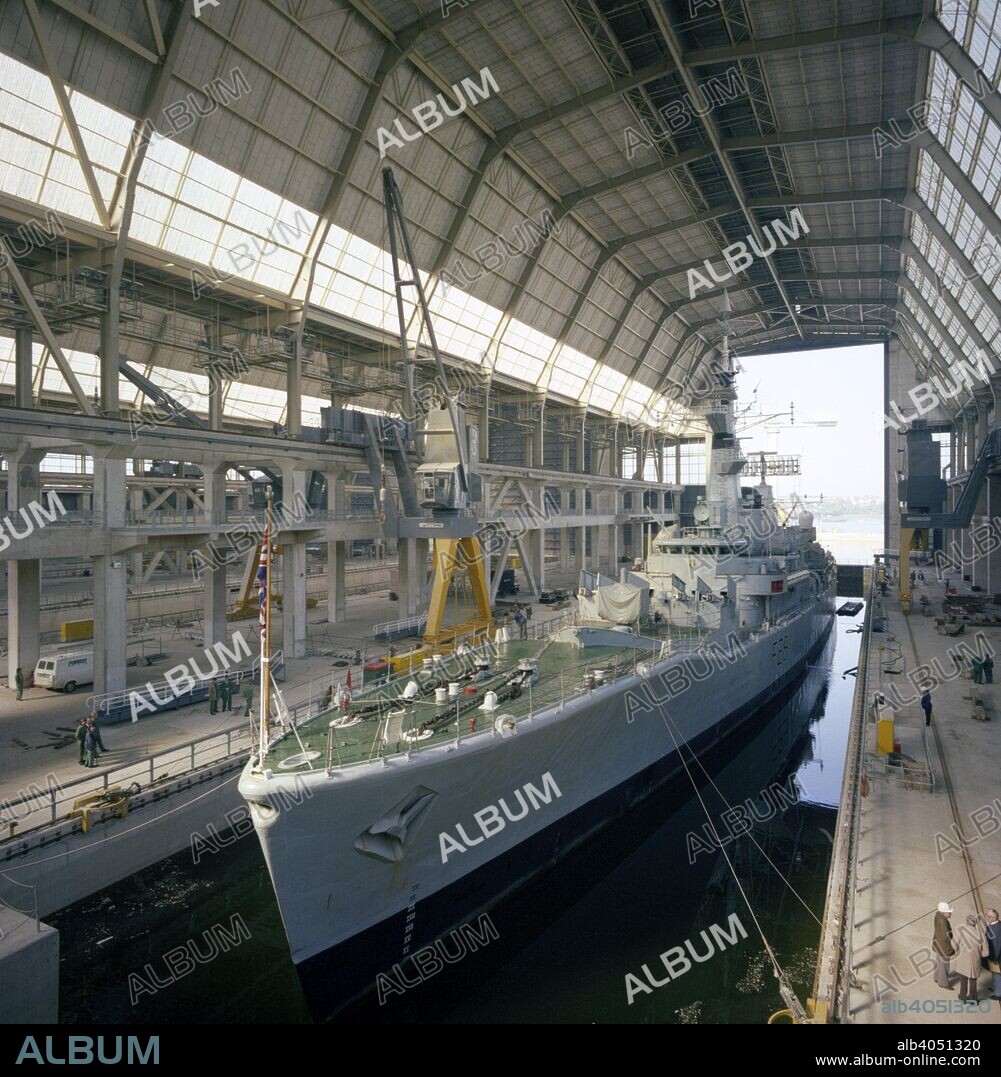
(380, 723)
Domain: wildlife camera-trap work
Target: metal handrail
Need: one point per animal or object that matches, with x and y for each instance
(104, 704)
(127, 773)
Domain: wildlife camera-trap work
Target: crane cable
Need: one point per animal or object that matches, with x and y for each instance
(785, 988)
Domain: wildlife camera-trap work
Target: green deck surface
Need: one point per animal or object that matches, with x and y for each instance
(561, 666)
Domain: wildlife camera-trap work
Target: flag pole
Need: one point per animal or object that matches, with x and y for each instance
(264, 579)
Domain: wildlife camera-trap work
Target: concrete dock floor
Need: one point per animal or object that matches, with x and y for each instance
(904, 871)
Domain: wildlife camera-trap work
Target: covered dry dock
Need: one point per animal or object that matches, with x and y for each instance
(608, 200)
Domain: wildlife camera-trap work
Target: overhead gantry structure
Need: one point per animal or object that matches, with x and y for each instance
(614, 149)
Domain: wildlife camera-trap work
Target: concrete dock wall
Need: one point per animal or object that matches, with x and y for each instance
(65, 865)
(29, 970)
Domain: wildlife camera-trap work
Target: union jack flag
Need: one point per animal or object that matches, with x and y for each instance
(262, 579)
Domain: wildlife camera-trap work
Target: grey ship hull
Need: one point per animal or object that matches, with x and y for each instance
(350, 915)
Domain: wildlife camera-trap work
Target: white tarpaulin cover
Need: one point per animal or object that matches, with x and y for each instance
(618, 603)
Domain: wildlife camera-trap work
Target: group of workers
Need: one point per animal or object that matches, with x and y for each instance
(89, 740)
(224, 691)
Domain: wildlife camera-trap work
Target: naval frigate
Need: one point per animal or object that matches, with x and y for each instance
(417, 802)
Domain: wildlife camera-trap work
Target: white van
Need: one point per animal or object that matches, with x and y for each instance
(64, 672)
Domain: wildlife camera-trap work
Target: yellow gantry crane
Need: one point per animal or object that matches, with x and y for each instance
(447, 483)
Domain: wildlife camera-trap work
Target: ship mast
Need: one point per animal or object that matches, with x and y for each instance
(264, 583)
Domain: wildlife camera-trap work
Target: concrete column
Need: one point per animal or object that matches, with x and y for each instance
(24, 576)
(337, 549)
(337, 495)
(564, 533)
(217, 385)
(982, 398)
(972, 443)
(136, 556)
(293, 393)
(539, 434)
(996, 398)
(580, 416)
(293, 567)
(614, 550)
(110, 348)
(534, 543)
(485, 423)
(216, 389)
(336, 593)
(409, 587)
(110, 583)
(422, 551)
(994, 511)
(580, 561)
(598, 548)
(953, 454)
(22, 368)
(24, 593)
(293, 598)
(214, 575)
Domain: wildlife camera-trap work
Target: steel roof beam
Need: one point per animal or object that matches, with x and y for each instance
(69, 119)
(931, 34)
